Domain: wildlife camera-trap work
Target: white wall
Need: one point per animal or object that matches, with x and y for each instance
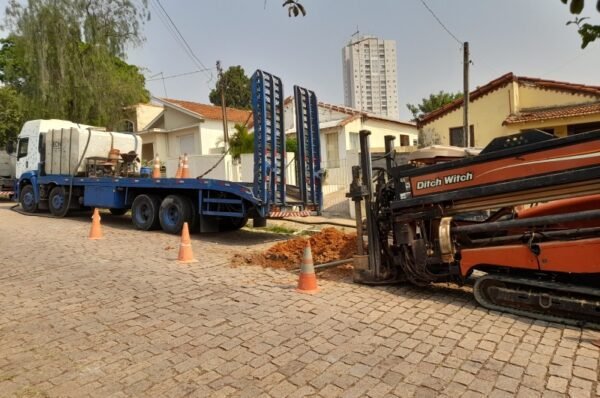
(325, 115)
(211, 134)
(247, 168)
(199, 164)
(174, 147)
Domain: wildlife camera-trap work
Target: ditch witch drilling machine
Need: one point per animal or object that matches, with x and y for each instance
(523, 214)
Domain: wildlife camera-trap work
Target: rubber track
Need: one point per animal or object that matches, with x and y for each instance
(482, 300)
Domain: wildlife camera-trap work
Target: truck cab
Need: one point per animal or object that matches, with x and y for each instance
(30, 146)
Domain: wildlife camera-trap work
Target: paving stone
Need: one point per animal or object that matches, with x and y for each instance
(507, 384)
(557, 384)
(126, 320)
(525, 392)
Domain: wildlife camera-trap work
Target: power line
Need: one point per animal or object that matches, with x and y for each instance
(440, 22)
(194, 58)
(154, 78)
(170, 29)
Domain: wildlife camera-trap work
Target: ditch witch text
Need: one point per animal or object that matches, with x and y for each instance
(447, 180)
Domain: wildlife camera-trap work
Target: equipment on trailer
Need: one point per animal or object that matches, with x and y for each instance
(525, 211)
(62, 165)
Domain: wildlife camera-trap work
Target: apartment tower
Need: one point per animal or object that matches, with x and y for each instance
(370, 78)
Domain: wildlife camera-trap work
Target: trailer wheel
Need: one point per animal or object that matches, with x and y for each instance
(144, 212)
(57, 201)
(232, 223)
(117, 212)
(174, 211)
(194, 221)
(27, 199)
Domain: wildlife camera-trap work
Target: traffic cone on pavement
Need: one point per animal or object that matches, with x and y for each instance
(185, 249)
(156, 170)
(307, 283)
(185, 171)
(179, 168)
(96, 230)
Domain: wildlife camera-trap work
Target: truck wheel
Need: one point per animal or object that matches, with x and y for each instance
(27, 199)
(144, 212)
(174, 211)
(117, 212)
(57, 201)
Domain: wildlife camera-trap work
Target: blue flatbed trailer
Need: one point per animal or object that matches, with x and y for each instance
(211, 205)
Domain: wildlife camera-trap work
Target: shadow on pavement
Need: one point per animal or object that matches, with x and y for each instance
(242, 236)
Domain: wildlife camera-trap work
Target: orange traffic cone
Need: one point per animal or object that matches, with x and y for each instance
(185, 249)
(185, 171)
(156, 170)
(307, 283)
(179, 168)
(96, 231)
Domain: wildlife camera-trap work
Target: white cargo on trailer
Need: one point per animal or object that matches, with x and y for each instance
(7, 164)
(66, 147)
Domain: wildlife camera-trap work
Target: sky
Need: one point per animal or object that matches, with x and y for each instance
(527, 37)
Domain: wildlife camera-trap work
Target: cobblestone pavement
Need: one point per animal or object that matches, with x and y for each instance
(119, 317)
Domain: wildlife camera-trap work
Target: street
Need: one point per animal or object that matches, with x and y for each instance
(120, 317)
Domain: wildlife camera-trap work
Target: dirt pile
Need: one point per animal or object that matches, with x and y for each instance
(327, 245)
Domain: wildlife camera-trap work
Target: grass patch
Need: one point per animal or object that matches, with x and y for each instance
(278, 229)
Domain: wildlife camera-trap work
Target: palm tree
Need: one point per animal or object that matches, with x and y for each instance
(241, 141)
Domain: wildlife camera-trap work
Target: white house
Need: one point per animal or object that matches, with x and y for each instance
(192, 128)
(339, 138)
(339, 128)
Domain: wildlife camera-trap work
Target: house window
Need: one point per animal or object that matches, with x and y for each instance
(582, 128)
(354, 142)
(186, 144)
(457, 139)
(332, 150)
(128, 126)
(404, 140)
(147, 152)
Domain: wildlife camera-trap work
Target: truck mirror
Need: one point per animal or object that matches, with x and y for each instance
(10, 147)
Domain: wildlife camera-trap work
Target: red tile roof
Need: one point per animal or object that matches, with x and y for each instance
(211, 111)
(556, 112)
(504, 80)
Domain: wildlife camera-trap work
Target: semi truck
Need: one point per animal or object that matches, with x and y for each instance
(62, 166)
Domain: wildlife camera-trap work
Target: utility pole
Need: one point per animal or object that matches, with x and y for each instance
(466, 94)
(223, 106)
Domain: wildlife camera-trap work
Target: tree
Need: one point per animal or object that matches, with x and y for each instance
(435, 101)
(294, 8)
(12, 62)
(11, 115)
(237, 89)
(588, 32)
(241, 141)
(64, 57)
